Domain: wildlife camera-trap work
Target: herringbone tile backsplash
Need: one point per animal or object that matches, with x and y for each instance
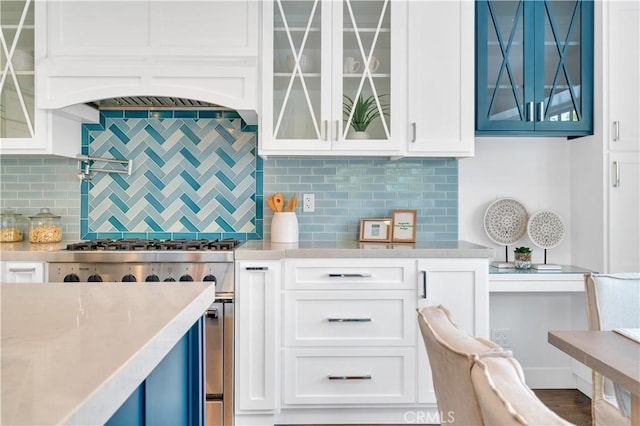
(195, 175)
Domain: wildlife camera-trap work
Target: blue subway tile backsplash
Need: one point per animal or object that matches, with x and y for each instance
(201, 178)
(348, 189)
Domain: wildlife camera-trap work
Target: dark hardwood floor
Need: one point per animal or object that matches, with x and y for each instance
(570, 404)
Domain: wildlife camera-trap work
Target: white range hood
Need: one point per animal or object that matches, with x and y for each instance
(232, 84)
(201, 51)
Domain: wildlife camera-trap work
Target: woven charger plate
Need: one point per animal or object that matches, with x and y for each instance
(505, 221)
(546, 229)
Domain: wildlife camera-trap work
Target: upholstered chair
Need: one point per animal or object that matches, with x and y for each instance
(613, 301)
(451, 353)
(504, 397)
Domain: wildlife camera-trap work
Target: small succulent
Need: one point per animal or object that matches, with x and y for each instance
(522, 250)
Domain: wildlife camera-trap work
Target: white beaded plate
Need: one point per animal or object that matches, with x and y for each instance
(505, 221)
(546, 229)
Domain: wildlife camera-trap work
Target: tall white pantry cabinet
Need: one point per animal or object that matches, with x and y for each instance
(605, 168)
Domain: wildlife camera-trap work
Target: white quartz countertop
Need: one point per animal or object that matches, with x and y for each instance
(72, 353)
(266, 250)
(259, 250)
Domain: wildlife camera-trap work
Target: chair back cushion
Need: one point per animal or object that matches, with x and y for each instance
(504, 398)
(613, 301)
(451, 354)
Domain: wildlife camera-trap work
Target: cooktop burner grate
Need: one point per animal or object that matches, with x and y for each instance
(153, 245)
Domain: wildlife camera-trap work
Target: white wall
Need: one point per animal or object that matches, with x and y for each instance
(535, 171)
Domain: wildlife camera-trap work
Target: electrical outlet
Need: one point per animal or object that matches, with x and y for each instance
(502, 337)
(308, 203)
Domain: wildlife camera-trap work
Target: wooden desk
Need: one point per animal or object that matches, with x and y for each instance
(615, 356)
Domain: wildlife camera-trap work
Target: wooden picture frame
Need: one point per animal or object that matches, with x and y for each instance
(403, 226)
(374, 229)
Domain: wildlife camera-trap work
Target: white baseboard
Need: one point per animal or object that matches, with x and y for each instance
(550, 378)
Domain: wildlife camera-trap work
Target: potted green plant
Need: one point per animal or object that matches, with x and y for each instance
(522, 257)
(365, 111)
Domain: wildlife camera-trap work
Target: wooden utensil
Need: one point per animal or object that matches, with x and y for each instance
(293, 202)
(278, 201)
(271, 205)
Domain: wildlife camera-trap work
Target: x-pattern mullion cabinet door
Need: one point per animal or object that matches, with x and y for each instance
(534, 65)
(315, 56)
(22, 126)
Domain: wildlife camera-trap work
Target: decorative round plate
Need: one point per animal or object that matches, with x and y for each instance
(546, 229)
(505, 221)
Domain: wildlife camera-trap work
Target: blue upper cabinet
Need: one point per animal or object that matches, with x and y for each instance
(534, 68)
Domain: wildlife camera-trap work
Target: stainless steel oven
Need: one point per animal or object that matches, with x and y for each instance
(153, 261)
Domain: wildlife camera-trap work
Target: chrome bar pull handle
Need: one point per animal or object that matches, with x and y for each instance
(530, 111)
(616, 174)
(363, 377)
(616, 131)
(22, 270)
(326, 130)
(424, 283)
(350, 275)
(540, 111)
(413, 130)
(256, 268)
(349, 319)
(337, 130)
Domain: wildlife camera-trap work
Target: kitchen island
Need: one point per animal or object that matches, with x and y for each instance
(74, 353)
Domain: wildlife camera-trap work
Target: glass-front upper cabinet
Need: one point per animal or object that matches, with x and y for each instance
(534, 67)
(331, 88)
(17, 49)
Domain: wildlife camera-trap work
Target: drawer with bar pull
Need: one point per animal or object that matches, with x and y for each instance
(357, 274)
(349, 318)
(349, 376)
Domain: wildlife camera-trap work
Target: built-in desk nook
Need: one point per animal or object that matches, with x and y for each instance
(525, 304)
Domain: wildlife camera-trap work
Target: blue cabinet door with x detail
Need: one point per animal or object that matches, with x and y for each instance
(534, 67)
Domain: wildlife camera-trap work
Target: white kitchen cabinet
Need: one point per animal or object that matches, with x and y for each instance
(623, 49)
(22, 126)
(441, 78)
(22, 272)
(314, 56)
(349, 331)
(605, 169)
(150, 28)
(624, 212)
(257, 324)
(624, 68)
(461, 285)
(25, 128)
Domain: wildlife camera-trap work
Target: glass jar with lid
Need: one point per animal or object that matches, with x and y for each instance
(45, 227)
(12, 226)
